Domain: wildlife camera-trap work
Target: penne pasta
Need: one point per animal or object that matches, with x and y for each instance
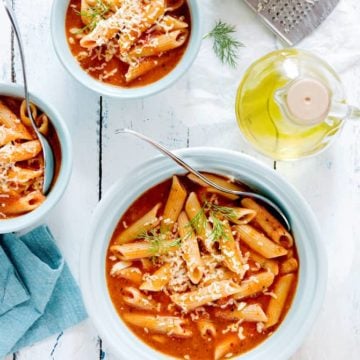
(259, 242)
(277, 302)
(198, 220)
(226, 183)
(288, 266)
(206, 328)
(174, 204)
(215, 291)
(254, 284)
(158, 279)
(17, 206)
(130, 273)
(170, 23)
(269, 224)
(144, 66)
(160, 43)
(9, 120)
(135, 298)
(266, 264)
(20, 152)
(168, 325)
(190, 248)
(142, 249)
(20, 176)
(8, 134)
(250, 313)
(141, 226)
(224, 348)
(231, 251)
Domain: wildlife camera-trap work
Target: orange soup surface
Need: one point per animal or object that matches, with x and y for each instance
(158, 292)
(154, 47)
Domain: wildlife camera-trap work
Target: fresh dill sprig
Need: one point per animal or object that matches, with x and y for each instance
(94, 14)
(224, 211)
(218, 229)
(198, 222)
(158, 243)
(225, 45)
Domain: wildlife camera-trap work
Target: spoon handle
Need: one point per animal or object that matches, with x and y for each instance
(190, 169)
(16, 29)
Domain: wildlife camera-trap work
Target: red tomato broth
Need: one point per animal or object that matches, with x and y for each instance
(14, 105)
(173, 57)
(196, 347)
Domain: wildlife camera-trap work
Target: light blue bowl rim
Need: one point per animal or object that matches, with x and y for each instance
(29, 219)
(63, 52)
(313, 264)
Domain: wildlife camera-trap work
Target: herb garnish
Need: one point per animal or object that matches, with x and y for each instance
(225, 45)
(94, 14)
(158, 241)
(224, 211)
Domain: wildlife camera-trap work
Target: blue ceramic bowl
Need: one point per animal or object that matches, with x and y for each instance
(57, 190)
(312, 274)
(70, 63)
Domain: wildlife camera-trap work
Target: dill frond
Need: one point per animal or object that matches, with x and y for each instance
(224, 211)
(218, 231)
(225, 45)
(94, 15)
(158, 243)
(198, 222)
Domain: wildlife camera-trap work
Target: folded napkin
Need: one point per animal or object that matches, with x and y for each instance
(38, 295)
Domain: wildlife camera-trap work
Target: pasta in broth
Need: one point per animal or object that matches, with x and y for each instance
(21, 159)
(128, 42)
(198, 275)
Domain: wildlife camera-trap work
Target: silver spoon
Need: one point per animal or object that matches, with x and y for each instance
(190, 169)
(46, 148)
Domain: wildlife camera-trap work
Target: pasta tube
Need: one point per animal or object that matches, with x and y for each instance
(160, 43)
(142, 249)
(174, 204)
(144, 224)
(259, 243)
(22, 204)
(254, 284)
(206, 328)
(250, 313)
(167, 325)
(135, 298)
(230, 250)
(191, 251)
(277, 303)
(199, 221)
(201, 296)
(226, 183)
(158, 279)
(20, 152)
(271, 226)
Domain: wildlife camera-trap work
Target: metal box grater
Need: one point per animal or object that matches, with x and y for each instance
(292, 20)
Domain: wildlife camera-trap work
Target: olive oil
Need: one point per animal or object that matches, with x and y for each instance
(261, 116)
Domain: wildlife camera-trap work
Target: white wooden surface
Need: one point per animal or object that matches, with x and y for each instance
(198, 110)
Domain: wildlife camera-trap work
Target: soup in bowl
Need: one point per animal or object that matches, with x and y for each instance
(187, 272)
(126, 48)
(22, 200)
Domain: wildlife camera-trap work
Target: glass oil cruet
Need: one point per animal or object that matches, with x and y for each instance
(290, 104)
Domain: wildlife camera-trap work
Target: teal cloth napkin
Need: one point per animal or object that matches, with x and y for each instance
(38, 295)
